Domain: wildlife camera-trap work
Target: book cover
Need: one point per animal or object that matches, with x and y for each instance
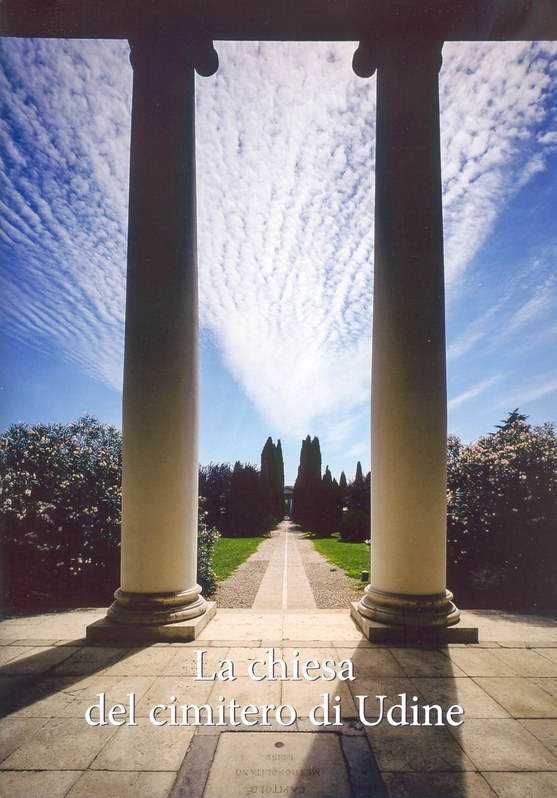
(281, 693)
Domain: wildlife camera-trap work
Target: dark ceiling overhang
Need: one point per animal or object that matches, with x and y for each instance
(286, 20)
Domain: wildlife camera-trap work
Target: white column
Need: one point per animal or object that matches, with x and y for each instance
(409, 408)
(161, 370)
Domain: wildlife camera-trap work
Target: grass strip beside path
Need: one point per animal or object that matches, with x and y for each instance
(351, 557)
(231, 552)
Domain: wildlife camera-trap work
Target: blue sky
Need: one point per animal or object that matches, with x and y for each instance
(285, 192)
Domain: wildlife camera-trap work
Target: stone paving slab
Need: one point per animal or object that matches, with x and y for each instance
(549, 653)
(234, 626)
(311, 765)
(520, 697)
(474, 661)
(115, 690)
(439, 785)
(383, 662)
(426, 662)
(519, 629)
(161, 689)
(320, 626)
(303, 761)
(520, 785)
(319, 697)
(144, 747)
(36, 659)
(544, 730)
(110, 784)
(15, 731)
(501, 744)
(59, 744)
(527, 661)
(547, 684)
(463, 691)
(35, 783)
(404, 748)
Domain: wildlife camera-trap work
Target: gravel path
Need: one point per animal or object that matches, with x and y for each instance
(331, 587)
(239, 589)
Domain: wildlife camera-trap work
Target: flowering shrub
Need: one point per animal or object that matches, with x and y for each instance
(502, 517)
(207, 537)
(60, 500)
(60, 508)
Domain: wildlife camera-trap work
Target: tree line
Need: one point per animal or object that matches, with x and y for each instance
(60, 512)
(243, 500)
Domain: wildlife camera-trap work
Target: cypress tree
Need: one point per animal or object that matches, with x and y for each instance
(316, 460)
(329, 506)
(268, 467)
(272, 481)
(355, 524)
(246, 509)
(307, 493)
(324, 505)
(300, 486)
(279, 480)
(337, 503)
(342, 484)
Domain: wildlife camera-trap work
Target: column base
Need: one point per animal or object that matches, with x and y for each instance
(106, 631)
(152, 617)
(156, 608)
(409, 610)
(396, 618)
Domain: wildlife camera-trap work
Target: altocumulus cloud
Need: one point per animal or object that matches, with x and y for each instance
(64, 143)
(495, 99)
(285, 182)
(286, 207)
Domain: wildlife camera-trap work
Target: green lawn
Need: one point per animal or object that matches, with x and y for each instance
(351, 557)
(231, 552)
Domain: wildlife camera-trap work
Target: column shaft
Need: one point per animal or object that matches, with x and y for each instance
(409, 430)
(161, 370)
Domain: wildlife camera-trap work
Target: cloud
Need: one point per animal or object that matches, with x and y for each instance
(299, 205)
(357, 451)
(529, 307)
(534, 309)
(476, 332)
(475, 391)
(285, 221)
(285, 197)
(543, 385)
(519, 318)
(64, 143)
(493, 103)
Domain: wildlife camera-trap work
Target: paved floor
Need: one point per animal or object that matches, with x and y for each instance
(49, 679)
